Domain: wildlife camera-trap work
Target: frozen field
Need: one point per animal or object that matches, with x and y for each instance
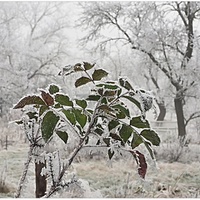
(117, 180)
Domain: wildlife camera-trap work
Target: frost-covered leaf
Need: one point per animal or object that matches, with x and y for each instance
(152, 136)
(63, 100)
(82, 81)
(43, 109)
(70, 116)
(80, 117)
(93, 98)
(124, 83)
(149, 148)
(122, 109)
(107, 141)
(112, 124)
(137, 103)
(108, 86)
(99, 131)
(78, 68)
(98, 74)
(63, 136)
(49, 100)
(141, 162)
(139, 123)
(88, 66)
(146, 100)
(125, 132)
(105, 108)
(53, 89)
(29, 100)
(110, 93)
(32, 115)
(48, 125)
(136, 140)
(104, 100)
(81, 103)
(117, 137)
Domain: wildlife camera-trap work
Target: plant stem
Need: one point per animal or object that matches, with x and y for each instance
(55, 188)
(26, 166)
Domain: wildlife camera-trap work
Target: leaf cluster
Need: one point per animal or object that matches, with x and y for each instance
(109, 121)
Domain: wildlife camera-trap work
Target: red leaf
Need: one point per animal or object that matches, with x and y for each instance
(141, 162)
(29, 100)
(49, 100)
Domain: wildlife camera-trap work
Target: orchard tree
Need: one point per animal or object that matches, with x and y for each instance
(165, 33)
(32, 45)
(102, 119)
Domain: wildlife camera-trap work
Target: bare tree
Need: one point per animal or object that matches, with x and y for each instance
(163, 32)
(33, 43)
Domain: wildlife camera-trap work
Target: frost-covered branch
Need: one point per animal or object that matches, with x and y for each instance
(26, 167)
(32, 136)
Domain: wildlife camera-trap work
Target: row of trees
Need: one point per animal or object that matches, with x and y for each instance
(164, 34)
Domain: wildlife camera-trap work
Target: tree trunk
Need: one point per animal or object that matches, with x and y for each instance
(162, 113)
(41, 183)
(180, 117)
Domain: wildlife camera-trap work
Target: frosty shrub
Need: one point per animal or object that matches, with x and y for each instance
(103, 119)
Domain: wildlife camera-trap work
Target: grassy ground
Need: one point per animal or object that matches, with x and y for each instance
(116, 179)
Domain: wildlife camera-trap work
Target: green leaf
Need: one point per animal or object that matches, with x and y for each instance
(43, 109)
(137, 103)
(152, 136)
(107, 141)
(122, 109)
(99, 131)
(121, 115)
(29, 100)
(82, 81)
(88, 66)
(63, 136)
(81, 118)
(117, 137)
(48, 125)
(125, 132)
(57, 105)
(53, 89)
(108, 86)
(149, 148)
(124, 83)
(119, 92)
(93, 98)
(63, 100)
(81, 103)
(98, 74)
(112, 124)
(139, 123)
(70, 116)
(136, 141)
(90, 111)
